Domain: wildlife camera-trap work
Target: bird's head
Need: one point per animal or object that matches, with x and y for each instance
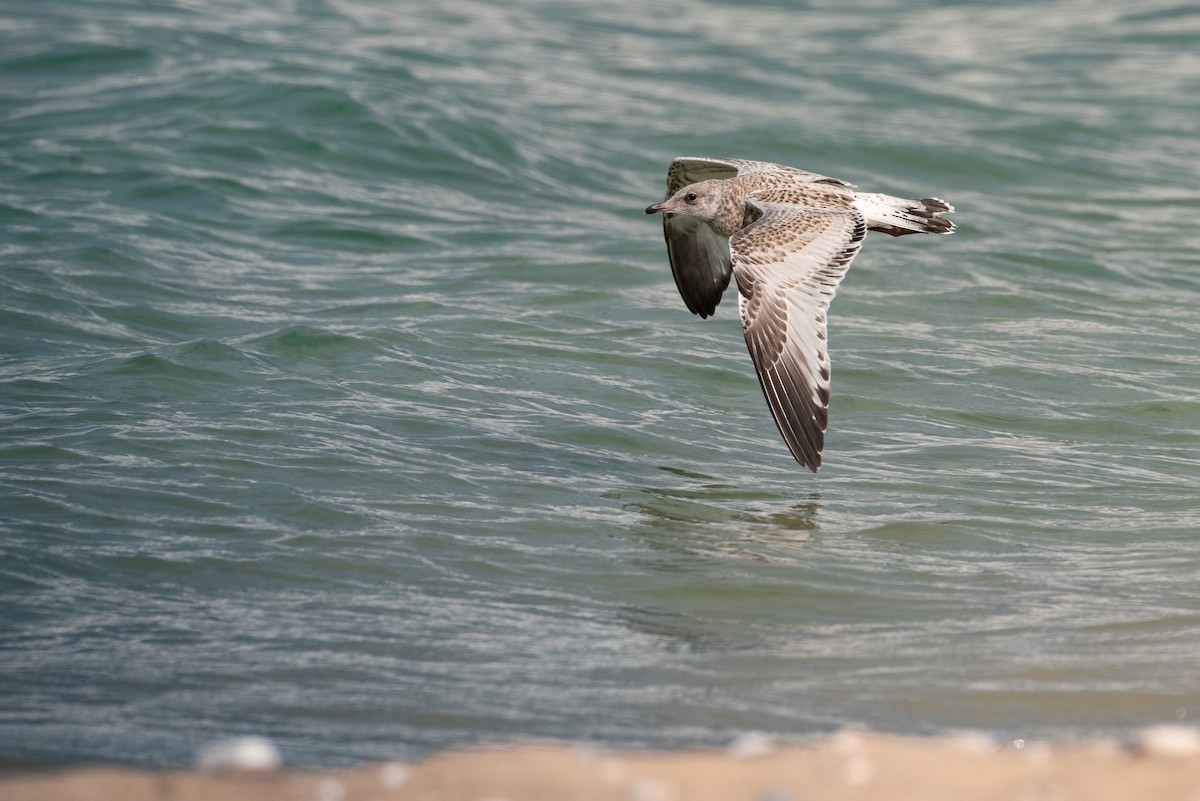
(703, 200)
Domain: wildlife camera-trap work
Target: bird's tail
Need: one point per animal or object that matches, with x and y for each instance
(896, 216)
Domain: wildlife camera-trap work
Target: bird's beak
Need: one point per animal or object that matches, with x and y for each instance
(657, 207)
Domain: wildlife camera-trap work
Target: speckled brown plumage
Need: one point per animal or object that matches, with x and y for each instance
(787, 236)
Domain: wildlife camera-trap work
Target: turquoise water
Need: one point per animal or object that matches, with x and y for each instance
(347, 398)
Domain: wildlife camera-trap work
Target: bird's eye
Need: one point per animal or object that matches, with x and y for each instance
(690, 197)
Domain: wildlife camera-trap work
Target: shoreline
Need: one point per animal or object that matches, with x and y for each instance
(847, 766)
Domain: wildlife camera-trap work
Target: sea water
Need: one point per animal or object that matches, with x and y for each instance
(347, 399)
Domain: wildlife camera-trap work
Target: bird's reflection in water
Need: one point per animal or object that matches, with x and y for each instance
(711, 518)
(703, 537)
(706, 540)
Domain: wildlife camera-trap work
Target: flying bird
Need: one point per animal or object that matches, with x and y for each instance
(787, 236)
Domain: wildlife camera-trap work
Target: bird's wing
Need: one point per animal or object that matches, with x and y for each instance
(788, 264)
(699, 256)
(687, 170)
(699, 261)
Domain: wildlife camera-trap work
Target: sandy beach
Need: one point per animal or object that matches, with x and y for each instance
(848, 766)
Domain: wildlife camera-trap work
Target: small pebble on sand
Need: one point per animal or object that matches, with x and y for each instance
(239, 753)
(1169, 740)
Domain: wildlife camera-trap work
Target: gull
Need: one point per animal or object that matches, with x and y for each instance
(787, 236)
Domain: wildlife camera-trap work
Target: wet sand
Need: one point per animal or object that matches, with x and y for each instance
(849, 766)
